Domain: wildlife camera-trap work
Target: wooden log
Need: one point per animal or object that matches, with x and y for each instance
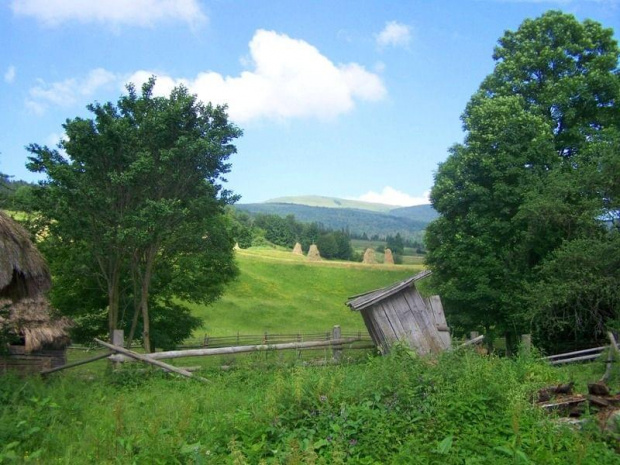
(150, 361)
(575, 359)
(577, 352)
(78, 363)
(475, 340)
(242, 349)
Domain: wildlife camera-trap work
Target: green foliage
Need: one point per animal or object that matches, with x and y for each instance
(136, 206)
(462, 408)
(537, 169)
(409, 221)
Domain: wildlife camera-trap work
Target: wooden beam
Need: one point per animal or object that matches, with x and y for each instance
(150, 361)
(475, 340)
(78, 363)
(251, 348)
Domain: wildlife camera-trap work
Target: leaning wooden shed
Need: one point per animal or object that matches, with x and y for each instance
(398, 313)
(32, 337)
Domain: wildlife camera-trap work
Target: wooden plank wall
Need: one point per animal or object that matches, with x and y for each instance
(433, 303)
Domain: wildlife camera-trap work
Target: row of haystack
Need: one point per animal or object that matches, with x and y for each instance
(369, 254)
(26, 317)
(370, 258)
(313, 253)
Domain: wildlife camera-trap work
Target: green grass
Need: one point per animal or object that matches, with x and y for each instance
(461, 408)
(271, 408)
(279, 292)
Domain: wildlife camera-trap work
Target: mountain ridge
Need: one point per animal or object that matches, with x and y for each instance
(352, 215)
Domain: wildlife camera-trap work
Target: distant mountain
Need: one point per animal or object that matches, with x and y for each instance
(332, 202)
(358, 217)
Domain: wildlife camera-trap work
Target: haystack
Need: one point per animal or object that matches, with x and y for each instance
(313, 253)
(369, 256)
(297, 249)
(33, 323)
(23, 271)
(388, 258)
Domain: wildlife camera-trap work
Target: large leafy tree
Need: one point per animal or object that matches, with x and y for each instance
(136, 201)
(531, 174)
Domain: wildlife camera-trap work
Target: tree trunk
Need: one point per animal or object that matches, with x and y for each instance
(136, 309)
(144, 297)
(113, 298)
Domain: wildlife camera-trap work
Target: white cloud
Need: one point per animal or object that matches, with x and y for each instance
(288, 78)
(115, 12)
(9, 76)
(68, 92)
(394, 34)
(390, 196)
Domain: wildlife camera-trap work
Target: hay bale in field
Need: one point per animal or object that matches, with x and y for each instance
(369, 256)
(23, 271)
(388, 258)
(297, 249)
(314, 254)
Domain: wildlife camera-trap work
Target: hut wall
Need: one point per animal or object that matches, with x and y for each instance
(34, 362)
(404, 317)
(433, 303)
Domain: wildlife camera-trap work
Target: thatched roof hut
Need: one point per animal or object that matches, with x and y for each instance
(23, 271)
(33, 323)
(31, 334)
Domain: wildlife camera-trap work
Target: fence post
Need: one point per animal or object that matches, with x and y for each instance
(526, 343)
(118, 339)
(473, 335)
(298, 350)
(336, 350)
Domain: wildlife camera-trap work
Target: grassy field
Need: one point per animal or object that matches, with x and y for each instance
(279, 292)
(458, 408)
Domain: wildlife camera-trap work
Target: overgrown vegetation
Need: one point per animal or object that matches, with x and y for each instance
(462, 408)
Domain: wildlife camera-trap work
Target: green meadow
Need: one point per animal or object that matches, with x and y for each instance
(279, 292)
(263, 408)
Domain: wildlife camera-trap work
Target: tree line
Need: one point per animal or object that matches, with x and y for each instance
(265, 229)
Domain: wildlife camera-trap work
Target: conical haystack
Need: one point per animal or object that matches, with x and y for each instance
(388, 258)
(369, 256)
(297, 249)
(313, 253)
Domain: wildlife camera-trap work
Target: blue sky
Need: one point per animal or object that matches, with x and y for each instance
(352, 99)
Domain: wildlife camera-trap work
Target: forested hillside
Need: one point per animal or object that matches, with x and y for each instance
(408, 221)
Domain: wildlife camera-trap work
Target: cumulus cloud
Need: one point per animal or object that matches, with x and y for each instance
(9, 75)
(394, 34)
(391, 196)
(68, 92)
(144, 13)
(287, 78)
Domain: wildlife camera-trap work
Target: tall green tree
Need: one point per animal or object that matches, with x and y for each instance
(139, 192)
(517, 189)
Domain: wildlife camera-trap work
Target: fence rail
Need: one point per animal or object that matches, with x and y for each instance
(253, 339)
(267, 339)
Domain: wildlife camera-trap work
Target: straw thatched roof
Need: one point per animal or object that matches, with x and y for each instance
(35, 321)
(23, 271)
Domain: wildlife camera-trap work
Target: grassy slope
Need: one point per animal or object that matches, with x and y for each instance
(279, 292)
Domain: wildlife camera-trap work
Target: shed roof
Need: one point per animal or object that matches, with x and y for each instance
(361, 301)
